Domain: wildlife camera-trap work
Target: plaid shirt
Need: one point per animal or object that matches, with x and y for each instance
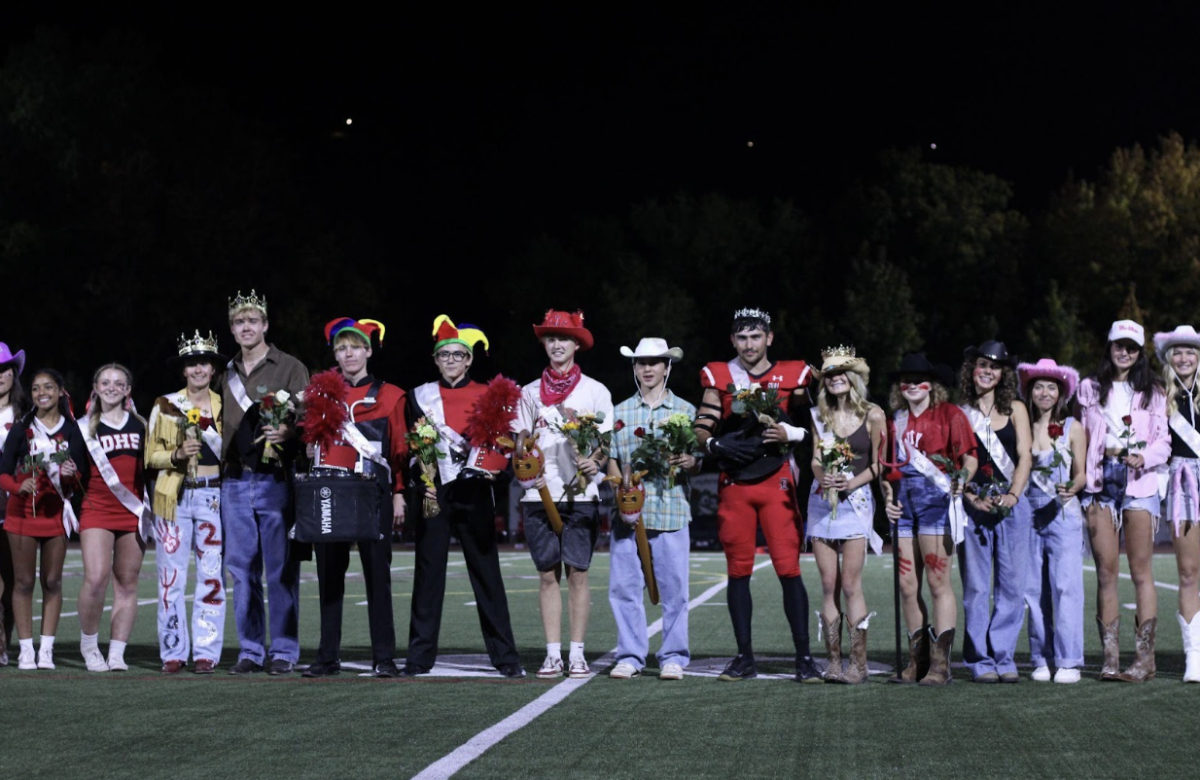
(665, 510)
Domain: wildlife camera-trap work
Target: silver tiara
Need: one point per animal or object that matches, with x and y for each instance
(752, 314)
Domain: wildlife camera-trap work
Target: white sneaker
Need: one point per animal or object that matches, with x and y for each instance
(1066, 676)
(621, 671)
(94, 660)
(579, 669)
(4, 658)
(26, 659)
(551, 667)
(671, 672)
(45, 658)
(1041, 674)
(116, 663)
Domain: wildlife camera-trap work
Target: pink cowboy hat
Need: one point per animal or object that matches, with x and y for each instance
(7, 356)
(1182, 336)
(1046, 368)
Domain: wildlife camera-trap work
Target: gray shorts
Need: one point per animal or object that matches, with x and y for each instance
(581, 528)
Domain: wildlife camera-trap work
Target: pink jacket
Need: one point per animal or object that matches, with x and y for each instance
(1149, 425)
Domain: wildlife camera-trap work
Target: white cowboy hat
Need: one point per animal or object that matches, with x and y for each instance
(653, 348)
(1182, 336)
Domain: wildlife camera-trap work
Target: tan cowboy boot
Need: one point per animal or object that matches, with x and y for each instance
(856, 670)
(1142, 668)
(918, 657)
(1110, 641)
(939, 659)
(833, 647)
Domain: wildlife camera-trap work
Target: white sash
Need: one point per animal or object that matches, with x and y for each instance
(234, 381)
(139, 507)
(355, 438)
(41, 437)
(450, 442)
(983, 432)
(741, 377)
(918, 460)
(210, 435)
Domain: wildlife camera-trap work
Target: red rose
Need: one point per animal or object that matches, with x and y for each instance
(268, 402)
(1055, 430)
(1127, 419)
(987, 470)
(893, 475)
(29, 433)
(639, 432)
(618, 425)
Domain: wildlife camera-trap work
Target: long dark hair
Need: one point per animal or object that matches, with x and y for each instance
(64, 400)
(18, 399)
(1141, 378)
(1005, 392)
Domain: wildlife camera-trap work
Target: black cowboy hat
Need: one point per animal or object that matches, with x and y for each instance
(915, 363)
(994, 351)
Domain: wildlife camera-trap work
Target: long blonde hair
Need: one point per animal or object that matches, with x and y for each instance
(94, 400)
(856, 401)
(1174, 386)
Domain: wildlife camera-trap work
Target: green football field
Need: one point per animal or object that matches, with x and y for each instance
(465, 721)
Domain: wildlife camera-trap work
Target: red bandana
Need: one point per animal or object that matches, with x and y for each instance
(556, 387)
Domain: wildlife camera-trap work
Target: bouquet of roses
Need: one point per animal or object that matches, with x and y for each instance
(993, 487)
(422, 441)
(274, 409)
(37, 465)
(762, 404)
(654, 453)
(836, 456)
(582, 429)
(190, 426)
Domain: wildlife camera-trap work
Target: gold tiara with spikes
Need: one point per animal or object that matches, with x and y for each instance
(841, 350)
(197, 344)
(752, 314)
(251, 301)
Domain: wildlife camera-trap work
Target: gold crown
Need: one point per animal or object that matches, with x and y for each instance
(197, 343)
(252, 301)
(841, 350)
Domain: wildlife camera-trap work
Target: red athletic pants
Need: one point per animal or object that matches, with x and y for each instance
(771, 503)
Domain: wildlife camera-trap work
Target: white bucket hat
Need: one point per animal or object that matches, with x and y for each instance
(653, 348)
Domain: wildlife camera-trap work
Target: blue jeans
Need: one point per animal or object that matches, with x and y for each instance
(254, 510)
(994, 565)
(669, 551)
(1055, 595)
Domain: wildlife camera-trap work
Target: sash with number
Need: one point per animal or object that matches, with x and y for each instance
(139, 507)
(874, 540)
(927, 469)
(458, 450)
(234, 381)
(982, 426)
(210, 434)
(41, 438)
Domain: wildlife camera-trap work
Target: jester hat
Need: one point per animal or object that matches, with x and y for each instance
(363, 328)
(446, 332)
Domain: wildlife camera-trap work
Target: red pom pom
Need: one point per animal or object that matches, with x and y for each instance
(493, 412)
(324, 408)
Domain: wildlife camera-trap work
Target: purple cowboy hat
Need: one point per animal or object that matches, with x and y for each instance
(1046, 368)
(7, 356)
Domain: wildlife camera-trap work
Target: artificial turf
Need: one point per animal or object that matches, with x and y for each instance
(69, 723)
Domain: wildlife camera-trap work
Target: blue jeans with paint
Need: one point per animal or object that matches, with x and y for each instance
(994, 564)
(669, 550)
(254, 510)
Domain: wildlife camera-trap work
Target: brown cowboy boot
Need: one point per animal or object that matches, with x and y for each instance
(1142, 668)
(833, 647)
(856, 671)
(3, 638)
(939, 659)
(1110, 641)
(918, 657)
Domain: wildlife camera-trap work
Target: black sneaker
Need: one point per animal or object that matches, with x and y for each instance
(386, 669)
(806, 670)
(322, 669)
(280, 667)
(512, 671)
(740, 668)
(412, 670)
(245, 666)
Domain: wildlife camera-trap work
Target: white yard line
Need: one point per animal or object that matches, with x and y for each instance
(142, 603)
(476, 746)
(1125, 576)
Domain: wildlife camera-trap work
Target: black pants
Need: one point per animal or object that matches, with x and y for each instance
(333, 558)
(468, 511)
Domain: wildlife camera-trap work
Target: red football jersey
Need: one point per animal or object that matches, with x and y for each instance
(786, 376)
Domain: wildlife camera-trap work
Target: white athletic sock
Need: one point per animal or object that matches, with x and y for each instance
(89, 642)
(116, 649)
(47, 642)
(26, 644)
(554, 650)
(577, 651)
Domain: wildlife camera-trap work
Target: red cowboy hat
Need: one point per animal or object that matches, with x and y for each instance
(562, 323)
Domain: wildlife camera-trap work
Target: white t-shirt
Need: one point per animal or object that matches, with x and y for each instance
(588, 396)
(1120, 403)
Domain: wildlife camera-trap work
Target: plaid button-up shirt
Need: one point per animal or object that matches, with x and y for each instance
(665, 510)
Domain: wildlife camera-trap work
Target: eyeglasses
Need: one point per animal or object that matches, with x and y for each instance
(452, 357)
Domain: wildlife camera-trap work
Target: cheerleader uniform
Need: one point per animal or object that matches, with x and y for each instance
(123, 446)
(21, 516)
